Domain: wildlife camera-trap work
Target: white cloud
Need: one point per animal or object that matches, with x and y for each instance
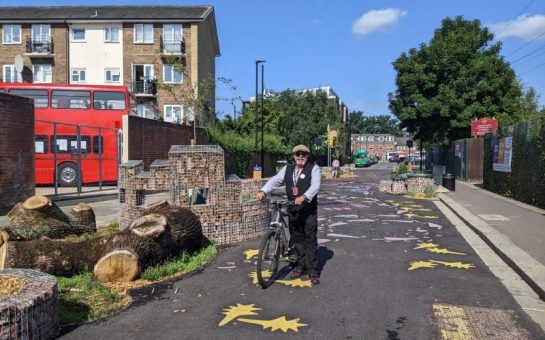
(376, 20)
(525, 27)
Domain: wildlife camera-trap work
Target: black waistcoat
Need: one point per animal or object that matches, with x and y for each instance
(303, 183)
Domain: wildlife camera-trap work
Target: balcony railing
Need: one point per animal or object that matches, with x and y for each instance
(144, 87)
(41, 45)
(172, 47)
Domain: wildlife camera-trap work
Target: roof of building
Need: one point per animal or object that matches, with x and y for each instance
(99, 13)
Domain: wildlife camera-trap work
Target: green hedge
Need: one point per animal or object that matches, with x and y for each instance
(526, 181)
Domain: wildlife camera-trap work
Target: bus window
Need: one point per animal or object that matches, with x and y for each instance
(40, 144)
(70, 99)
(3, 91)
(96, 140)
(68, 144)
(109, 100)
(40, 96)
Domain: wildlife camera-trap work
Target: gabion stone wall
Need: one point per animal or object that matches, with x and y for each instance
(33, 312)
(228, 211)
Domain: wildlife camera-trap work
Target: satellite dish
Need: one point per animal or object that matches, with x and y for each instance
(19, 63)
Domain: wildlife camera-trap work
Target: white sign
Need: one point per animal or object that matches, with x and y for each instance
(39, 147)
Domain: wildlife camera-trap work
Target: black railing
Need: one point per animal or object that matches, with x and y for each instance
(39, 44)
(172, 46)
(145, 87)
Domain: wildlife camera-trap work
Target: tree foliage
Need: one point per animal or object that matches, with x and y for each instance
(374, 124)
(456, 78)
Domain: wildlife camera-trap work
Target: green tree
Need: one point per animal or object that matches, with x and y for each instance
(529, 105)
(374, 124)
(456, 78)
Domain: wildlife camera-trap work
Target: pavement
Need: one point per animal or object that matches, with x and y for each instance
(514, 230)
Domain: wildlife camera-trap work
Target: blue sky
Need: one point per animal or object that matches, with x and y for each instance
(350, 45)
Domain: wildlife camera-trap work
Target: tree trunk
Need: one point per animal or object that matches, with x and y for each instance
(149, 240)
(39, 217)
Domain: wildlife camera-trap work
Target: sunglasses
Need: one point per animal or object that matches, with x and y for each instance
(300, 154)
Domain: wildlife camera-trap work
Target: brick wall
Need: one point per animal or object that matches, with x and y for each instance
(16, 150)
(149, 140)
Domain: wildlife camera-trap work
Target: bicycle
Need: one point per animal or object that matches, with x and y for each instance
(275, 244)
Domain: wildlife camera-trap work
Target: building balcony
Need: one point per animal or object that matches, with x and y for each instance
(40, 46)
(172, 47)
(144, 88)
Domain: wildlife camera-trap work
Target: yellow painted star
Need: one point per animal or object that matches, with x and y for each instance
(250, 253)
(443, 251)
(422, 264)
(296, 283)
(458, 265)
(426, 245)
(234, 312)
(264, 273)
(280, 323)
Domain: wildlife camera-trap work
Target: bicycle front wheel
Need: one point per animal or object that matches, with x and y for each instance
(268, 258)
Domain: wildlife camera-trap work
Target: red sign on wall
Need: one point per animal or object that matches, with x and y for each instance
(483, 126)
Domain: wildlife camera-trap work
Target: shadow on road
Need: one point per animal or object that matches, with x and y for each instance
(323, 255)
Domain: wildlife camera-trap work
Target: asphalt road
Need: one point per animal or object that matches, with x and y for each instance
(392, 268)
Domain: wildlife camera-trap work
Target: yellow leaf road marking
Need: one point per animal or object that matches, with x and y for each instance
(280, 323)
(250, 253)
(234, 312)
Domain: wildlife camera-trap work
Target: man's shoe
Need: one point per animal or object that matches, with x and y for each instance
(296, 273)
(314, 278)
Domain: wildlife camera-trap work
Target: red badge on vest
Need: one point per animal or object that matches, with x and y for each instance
(295, 190)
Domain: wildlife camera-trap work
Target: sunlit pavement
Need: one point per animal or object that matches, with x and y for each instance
(392, 268)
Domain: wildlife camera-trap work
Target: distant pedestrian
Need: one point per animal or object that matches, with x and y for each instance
(335, 167)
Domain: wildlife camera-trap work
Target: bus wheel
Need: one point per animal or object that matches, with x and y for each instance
(68, 175)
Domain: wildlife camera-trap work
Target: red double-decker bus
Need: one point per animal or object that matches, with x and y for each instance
(76, 130)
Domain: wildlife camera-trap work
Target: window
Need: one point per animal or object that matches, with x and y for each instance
(41, 97)
(143, 33)
(42, 74)
(145, 111)
(111, 34)
(67, 144)
(41, 33)
(173, 113)
(172, 38)
(40, 144)
(171, 75)
(109, 100)
(78, 75)
(11, 34)
(190, 114)
(70, 99)
(78, 34)
(98, 144)
(112, 75)
(10, 74)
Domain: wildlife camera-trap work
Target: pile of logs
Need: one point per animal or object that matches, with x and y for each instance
(32, 240)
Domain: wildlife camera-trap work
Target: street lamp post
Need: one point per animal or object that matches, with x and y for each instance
(257, 62)
(262, 120)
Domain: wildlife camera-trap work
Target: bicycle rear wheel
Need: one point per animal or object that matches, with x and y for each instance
(268, 258)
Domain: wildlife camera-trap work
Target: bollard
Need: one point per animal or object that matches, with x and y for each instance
(449, 182)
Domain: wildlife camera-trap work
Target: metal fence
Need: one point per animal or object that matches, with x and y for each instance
(71, 156)
(462, 158)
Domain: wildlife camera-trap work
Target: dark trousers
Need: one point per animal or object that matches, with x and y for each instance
(303, 235)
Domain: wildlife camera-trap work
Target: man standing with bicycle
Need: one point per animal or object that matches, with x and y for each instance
(302, 181)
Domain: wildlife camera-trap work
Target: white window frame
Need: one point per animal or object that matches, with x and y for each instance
(172, 70)
(146, 111)
(74, 35)
(79, 71)
(42, 66)
(108, 34)
(142, 28)
(38, 33)
(13, 71)
(169, 116)
(112, 70)
(5, 35)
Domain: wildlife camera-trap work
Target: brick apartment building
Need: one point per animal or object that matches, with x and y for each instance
(141, 47)
(380, 144)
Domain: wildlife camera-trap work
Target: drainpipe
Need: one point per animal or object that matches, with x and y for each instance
(67, 38)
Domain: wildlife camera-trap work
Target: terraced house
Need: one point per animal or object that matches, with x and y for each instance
(153, 50)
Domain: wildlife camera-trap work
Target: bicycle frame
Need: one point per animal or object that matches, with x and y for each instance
(279, 223)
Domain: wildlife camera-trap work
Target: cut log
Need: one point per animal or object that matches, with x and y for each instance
(39, 217)
(117, 266)
(150, 240)
(82, 217)
(152, 225)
